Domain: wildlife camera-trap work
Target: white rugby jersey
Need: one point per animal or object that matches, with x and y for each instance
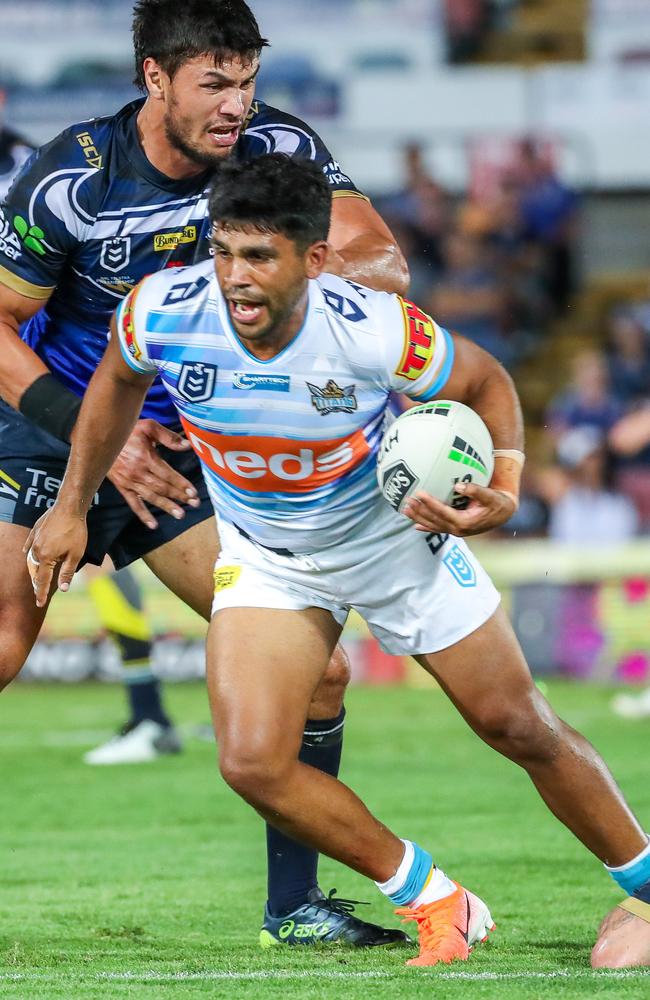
(288, 446)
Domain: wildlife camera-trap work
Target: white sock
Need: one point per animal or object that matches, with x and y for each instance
(436, 888)
(396, 881)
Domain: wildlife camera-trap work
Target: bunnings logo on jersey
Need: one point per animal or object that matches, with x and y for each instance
(169, 241)
(274, 464)
(333, 399)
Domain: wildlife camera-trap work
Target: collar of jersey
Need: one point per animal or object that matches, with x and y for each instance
(132, 146)
(232, 333)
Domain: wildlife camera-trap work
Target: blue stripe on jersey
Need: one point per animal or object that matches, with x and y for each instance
(445, 371)
(176, 323)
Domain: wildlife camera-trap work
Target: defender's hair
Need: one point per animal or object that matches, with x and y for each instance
(274, 194)
(173, 31)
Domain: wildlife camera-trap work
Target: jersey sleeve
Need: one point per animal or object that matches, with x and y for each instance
(130, 320)
(44, 217)
(273, 131)
(419, 354)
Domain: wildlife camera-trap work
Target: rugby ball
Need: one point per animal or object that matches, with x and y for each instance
(432, 447)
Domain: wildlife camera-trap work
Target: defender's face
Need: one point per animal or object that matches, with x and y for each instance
(263, 277)
(207, 105)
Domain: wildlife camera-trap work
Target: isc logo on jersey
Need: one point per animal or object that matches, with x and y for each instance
(277, 465)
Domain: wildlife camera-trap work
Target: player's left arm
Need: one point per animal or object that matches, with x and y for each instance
(109, 411)
(362, 247)
(478, 380)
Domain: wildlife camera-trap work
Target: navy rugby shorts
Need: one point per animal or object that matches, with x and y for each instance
(32, 464)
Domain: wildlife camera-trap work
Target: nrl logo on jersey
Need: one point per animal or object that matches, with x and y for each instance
(116, 253)
(196, 381)
(333, 399)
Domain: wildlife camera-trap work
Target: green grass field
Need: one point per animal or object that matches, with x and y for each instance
(149, 881)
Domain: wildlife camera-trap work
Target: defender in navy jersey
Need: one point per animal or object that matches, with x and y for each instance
(104, 204)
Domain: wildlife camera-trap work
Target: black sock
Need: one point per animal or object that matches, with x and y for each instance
(118, 600)
(145, 701)
(292, 867)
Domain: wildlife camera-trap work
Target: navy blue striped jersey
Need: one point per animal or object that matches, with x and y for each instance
(89, 216)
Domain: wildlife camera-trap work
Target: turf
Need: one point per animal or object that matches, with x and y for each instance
(148, 881)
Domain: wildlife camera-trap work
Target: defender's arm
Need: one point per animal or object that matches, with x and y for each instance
(363, 248)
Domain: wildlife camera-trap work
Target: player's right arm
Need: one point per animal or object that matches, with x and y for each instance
(426, 362)
(110, 409)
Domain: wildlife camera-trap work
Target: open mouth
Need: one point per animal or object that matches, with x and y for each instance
(224, 135)
(245, 313)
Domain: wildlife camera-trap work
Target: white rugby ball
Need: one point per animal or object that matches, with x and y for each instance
(432, 447)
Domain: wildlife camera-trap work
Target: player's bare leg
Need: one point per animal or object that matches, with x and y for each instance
(263, 667)
(20, 619)
(185, 565)
(487, 678)
(292, 867)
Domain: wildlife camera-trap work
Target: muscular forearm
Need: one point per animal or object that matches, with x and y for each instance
(371, 261)
(20, 365)
(108, 414)
(495, 400)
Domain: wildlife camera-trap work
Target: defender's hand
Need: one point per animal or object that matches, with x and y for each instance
(57, 538)
(487, 509)
(140, 474)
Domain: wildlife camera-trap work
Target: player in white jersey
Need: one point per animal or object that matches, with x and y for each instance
(281, 375)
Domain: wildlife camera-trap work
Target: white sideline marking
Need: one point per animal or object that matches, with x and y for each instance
(216, 975)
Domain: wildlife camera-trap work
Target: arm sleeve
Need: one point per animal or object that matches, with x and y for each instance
(419, 354)
(44, 218)
(130, 320)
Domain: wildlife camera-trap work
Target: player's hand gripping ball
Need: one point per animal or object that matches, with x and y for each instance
(432, 448)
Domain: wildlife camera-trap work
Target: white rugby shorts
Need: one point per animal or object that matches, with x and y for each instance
(418, 593)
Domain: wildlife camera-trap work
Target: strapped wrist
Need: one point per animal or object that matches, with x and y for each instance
(51, 406)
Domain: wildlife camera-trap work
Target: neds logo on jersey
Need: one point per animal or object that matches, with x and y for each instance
(276, 465)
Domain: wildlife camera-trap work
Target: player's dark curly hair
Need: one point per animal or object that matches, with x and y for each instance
(274, 194)
(173, 31)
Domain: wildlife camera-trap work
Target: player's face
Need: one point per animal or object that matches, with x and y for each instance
(263, 277)
(206, 106)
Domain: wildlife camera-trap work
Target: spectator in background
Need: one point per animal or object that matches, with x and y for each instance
(466, 22)
(585, 509)
(588, 400)
(470, 296)
(420, 211)
(518, 259)
(550, 212)
(14, 150)
(629, 356)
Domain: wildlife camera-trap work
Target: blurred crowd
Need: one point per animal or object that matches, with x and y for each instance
(499, 266)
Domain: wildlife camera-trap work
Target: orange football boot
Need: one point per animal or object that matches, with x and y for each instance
(450, 927)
